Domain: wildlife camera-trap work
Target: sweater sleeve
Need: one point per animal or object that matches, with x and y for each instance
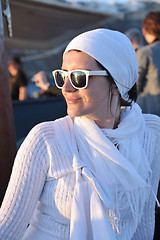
(25, 186)
(143, 69)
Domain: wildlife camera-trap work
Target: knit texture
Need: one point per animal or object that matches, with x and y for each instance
(41, 187)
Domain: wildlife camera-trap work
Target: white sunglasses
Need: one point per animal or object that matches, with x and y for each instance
(78, 78)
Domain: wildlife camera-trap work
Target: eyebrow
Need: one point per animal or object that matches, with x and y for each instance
(77, 69)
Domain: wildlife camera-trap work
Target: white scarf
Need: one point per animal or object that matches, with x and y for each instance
(106, 177)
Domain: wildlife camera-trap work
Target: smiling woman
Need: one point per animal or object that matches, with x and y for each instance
(94, 173)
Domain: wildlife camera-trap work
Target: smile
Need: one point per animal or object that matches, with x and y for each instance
(72, 100)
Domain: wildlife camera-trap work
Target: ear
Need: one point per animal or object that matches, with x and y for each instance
(115, 90)
(115, 101)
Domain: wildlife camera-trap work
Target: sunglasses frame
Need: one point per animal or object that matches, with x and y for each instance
(86, 72)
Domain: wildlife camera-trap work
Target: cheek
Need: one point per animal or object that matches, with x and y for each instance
(62, 92)
(98, 94)
(88, 95)
(96, 99)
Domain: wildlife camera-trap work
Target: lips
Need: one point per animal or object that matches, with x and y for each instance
(72, 100)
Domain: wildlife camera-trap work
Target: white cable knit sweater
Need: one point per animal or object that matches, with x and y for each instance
(43, 174)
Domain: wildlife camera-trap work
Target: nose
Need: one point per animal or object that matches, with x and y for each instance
(67, 86)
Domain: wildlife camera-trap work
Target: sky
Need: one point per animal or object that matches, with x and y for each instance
(112, 1)
(133, 5)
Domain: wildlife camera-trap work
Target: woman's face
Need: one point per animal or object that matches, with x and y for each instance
(93, 101)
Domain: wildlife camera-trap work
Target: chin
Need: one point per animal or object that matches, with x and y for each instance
(74, 113)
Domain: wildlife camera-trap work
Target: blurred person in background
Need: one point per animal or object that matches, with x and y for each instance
(149, 65)
(135, 36)
(18, 80)
(47, 90)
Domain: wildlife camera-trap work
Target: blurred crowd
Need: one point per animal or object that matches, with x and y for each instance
(20, 84)
(146, 42)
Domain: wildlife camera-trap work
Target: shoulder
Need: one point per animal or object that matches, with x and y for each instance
(41, 139)
(47, 129)
(152, 123)
(144, 51)
(151, 142)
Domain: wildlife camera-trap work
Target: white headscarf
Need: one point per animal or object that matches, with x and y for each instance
(114, 51)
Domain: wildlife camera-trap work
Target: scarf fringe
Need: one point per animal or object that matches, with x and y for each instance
(133, 201)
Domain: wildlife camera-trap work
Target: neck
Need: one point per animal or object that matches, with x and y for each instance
(110, 119)
(110, 123)
(150, 38)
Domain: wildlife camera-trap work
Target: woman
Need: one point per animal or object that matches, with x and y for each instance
(93, 174)
(18, 80)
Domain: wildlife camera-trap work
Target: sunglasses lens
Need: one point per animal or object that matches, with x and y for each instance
(78, 79)
(59, 78)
